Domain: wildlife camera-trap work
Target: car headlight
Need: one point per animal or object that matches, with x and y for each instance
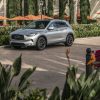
(31, 34)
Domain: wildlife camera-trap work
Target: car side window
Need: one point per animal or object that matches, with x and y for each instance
(58, 24)
(53, 25)
(61, 24)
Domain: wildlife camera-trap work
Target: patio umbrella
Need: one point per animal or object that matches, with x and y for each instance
(32, 17)
(44, 17)
(3, 18)
(66, 17)
(19, 18)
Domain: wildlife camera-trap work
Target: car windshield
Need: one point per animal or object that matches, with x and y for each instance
(37, 25)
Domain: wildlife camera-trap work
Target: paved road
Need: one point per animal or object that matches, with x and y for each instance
(51, 63)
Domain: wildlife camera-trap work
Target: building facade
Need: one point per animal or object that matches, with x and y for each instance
(2, 7)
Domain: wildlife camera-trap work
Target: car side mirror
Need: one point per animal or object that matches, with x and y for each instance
(51, 28)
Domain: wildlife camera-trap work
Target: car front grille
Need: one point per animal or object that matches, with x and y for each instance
(17, 44)
(18, 37)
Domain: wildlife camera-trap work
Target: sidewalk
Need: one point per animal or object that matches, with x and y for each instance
(88, 41)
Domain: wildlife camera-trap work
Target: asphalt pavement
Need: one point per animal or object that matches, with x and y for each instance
(51, 63)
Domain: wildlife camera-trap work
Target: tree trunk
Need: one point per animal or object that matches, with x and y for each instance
(35, 7)
(84, 11)
(71, 7)
(50, 7)
(26, 7)
(62, 5)
(8, 4)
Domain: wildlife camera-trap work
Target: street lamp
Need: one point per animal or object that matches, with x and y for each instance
(41, 5)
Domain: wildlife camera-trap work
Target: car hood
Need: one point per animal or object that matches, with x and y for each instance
(27, 31)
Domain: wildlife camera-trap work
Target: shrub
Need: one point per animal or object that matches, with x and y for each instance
(7, 74)
(37, 94)
(81, 88)
(4, 39)
(4, 34)
(88, 30)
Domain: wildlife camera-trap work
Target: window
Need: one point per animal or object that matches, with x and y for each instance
(58, 24)
(37, 25)
(61, 24)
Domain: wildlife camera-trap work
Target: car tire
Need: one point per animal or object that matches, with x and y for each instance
(69, 40)
(41, 43)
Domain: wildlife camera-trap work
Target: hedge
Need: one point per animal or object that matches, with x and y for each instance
(81, 30)
(4, 34)
(86, 30)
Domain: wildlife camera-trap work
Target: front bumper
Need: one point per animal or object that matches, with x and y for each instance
(22, 43)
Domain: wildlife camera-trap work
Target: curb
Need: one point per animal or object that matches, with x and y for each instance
(4, 46)
(85, 44)
(95, 41)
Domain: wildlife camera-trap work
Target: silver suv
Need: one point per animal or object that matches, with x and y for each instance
(42, 33)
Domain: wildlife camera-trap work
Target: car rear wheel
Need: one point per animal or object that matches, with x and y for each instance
(41, 43)
(69, 40)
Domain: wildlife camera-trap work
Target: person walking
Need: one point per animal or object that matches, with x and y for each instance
(90, 59)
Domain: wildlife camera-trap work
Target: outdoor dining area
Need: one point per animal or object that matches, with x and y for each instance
(20, 19)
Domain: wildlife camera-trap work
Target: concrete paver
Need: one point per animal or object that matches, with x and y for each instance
(88, 41)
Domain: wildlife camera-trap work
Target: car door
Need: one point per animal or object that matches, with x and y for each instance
(62, 30)
(54, 35)
(62, 27)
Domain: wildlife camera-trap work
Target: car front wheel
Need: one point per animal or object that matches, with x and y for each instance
(69, 40)
(41, 43)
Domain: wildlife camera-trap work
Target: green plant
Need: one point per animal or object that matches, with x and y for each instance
(37, 94)
(81, 88)
(4, 39)
(7, 74)
(86, 30)
(4, 34)
(55, 94)
(75, 88)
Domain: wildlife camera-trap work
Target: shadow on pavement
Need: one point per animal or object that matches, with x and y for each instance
(43, 79)
(33, 48)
